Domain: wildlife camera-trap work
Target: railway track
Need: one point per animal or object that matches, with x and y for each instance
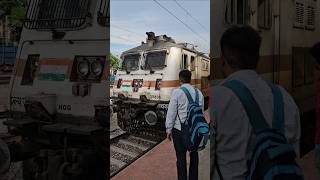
(125, 149)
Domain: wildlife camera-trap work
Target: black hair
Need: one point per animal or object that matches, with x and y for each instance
(240, 46)
(185, 76)
(315, 52)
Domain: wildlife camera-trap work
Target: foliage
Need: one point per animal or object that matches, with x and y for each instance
(17, 16)
(15, 10)
(114, 62)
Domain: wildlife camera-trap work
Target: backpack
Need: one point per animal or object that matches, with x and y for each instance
(195, 130)
(273, 157)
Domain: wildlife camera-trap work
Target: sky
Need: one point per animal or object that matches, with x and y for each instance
(131, 19)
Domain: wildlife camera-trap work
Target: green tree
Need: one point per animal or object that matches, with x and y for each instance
(114, 62)
(15, 10)
(17, 16)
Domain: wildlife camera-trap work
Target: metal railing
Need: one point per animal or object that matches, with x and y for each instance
(104, 13)
(7, 55)
(57, 14)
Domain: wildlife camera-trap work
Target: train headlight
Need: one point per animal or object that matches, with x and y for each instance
(88, 68)
(151, 118)
(83, 68)
(96, 68)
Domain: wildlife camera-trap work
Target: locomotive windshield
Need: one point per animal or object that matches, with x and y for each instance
(130, 62)
(155, 60)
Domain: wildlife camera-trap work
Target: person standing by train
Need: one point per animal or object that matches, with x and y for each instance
(315, 52)
(234, 134)
(177, 114)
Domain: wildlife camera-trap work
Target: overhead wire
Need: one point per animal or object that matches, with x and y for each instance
(186, 25)
(126, 39)
(189, 14)
(127, 30)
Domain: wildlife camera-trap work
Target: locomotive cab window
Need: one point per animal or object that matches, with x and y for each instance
(184, 62)
(236, 11)
(30, 69)
(205, 65)
(155, 60)
(58, 14)
(104, 13)
(130, 62)
(264, 14)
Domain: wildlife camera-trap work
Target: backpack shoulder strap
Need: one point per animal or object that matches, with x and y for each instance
(250, 105)
(278, 108)
(187, 93)
(197, 95)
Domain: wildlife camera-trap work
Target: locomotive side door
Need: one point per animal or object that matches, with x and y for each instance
(276, 50)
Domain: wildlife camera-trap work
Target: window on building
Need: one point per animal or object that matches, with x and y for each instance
(311, 17)
(264, 14)
(305, 14)
(193, 63)
(236, 12)
(57, 14)
(299, 14)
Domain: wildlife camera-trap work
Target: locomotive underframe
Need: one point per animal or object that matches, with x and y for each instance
(59, 150)
(131, 117)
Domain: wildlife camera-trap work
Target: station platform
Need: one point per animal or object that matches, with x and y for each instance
(160, 164)
(308, 166)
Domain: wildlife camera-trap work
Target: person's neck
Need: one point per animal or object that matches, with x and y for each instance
(181, 84)
(228, 71)
(233, 70)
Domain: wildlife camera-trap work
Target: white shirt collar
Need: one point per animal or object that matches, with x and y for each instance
(242, 74)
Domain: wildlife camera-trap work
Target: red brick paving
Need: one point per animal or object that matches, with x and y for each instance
(308, 167)
(157, 164)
